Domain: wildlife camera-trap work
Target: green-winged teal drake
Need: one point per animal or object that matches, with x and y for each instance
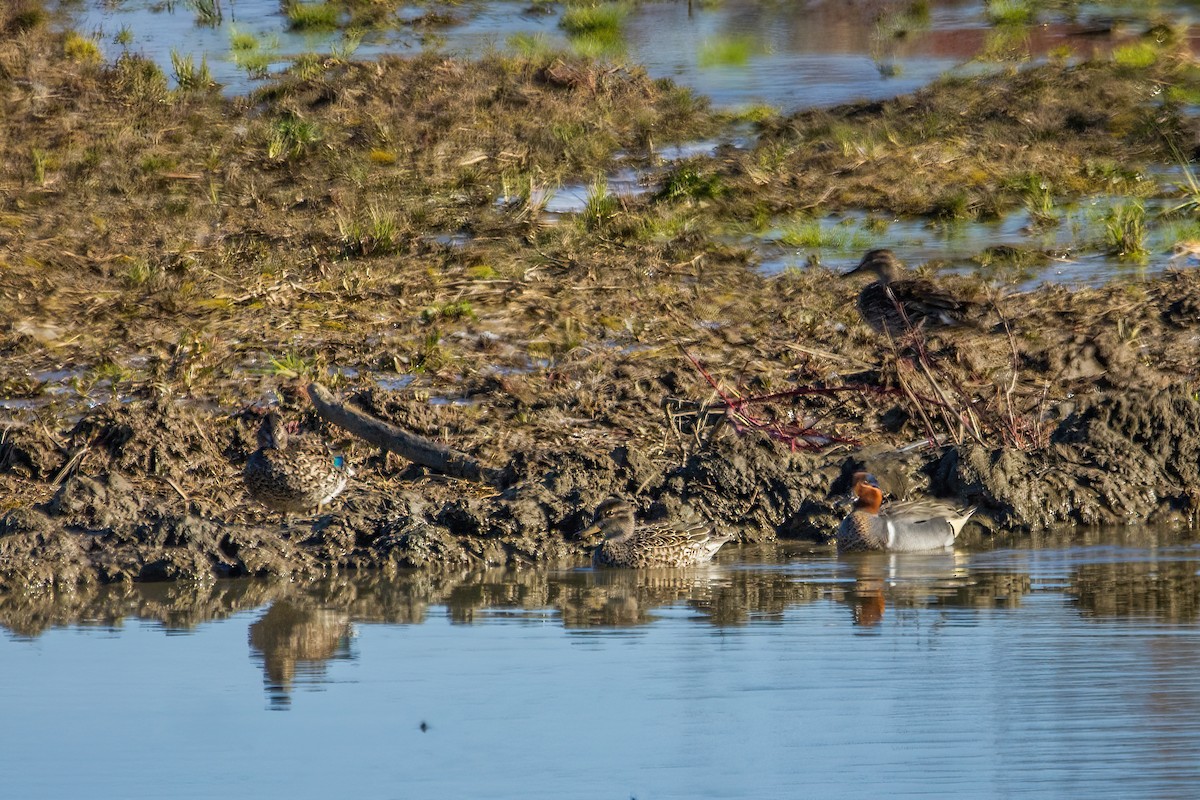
(626, 544)
(898, 527)
(292, 477)
(895, 304)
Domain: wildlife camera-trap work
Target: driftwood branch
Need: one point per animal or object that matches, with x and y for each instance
(416, 449)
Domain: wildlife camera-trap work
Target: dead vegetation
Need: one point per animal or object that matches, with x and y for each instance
(376, 226)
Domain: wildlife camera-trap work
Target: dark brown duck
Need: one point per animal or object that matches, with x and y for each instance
(895, 304)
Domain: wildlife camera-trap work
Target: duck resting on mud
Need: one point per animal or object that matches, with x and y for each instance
(895, 305)
(626, 544)
(916, 526)
(289, 476)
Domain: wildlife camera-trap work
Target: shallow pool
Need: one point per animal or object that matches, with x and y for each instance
(1032, 671)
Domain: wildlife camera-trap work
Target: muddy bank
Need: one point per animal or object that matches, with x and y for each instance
(171, 259)
(1114, 458)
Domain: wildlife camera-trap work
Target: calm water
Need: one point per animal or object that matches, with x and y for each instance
(1046, 671)
(798, 55)
(1077, 238)
(793, 55)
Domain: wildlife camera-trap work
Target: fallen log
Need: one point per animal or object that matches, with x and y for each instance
(417, 449)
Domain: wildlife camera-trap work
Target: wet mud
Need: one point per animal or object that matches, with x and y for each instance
(180, 282)
(1116, 457)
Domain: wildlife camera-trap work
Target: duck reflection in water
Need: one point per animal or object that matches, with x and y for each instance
(918, 580)
(867, 600)
(629, 598)
(295, 641)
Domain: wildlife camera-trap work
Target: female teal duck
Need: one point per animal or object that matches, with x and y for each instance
(625, 544)
(900, 527)
(895, 305)
(292, 477)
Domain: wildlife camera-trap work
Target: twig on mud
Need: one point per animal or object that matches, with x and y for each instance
(819, 201)
(1040, 437)
(937, 395)
(797, 437)
(416, 449)
(71, 465)
(1020, 429)
(812, 351)
(964, 413)
(1012, 384)
(930, 435)
(943, 403)
(175, 486)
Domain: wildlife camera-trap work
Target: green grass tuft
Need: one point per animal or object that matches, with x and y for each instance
(241, 41)
(1011, 12)
(139, 273)
(293, 365)
(601, 206)
(530, 45)
(26, 18)
(578, 20)
(728, 51)
(208, 12)
(188, 76)
(689, 183)
(812, 235)
(595, 30)
(378, 234)
(1125, 231)
(311, 16)
(257, 64)
(81, 49)
(291, 137)
(1141, 55)
(755, 113)
(481, 272)
(40, 160)
(460, 309)
(252, 54)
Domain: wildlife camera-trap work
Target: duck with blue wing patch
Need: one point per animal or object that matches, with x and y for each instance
(290, 475)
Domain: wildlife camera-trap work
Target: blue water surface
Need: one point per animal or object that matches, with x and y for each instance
(1025, 672)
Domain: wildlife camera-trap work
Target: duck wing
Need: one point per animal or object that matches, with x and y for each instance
(676, 545)
(678, 536)
(923, 524)
(294, 481)
(922, 300)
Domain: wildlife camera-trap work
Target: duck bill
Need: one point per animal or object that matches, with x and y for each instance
(590, 532)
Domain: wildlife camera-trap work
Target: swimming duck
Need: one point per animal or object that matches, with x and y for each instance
(625, 544)
(289, 476)
(896, 305)
(900, 527)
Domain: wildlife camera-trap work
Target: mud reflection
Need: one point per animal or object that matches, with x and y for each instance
(1167, 591)
(177, 607)
(294, 632)
(312, 621)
